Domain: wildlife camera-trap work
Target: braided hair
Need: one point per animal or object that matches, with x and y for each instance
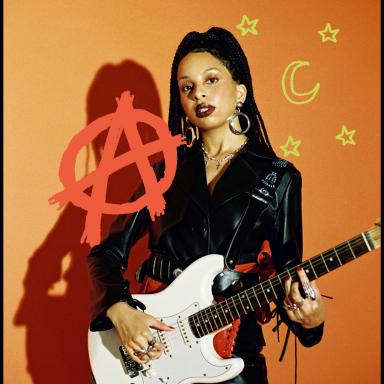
(223, 45)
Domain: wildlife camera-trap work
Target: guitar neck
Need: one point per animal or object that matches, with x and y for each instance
(218, 315)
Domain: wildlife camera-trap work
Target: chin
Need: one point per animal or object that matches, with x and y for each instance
(207, 125)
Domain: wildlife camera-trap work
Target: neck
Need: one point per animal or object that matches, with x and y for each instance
(218, 141)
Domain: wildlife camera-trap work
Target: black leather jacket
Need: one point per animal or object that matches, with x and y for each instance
(196, 224)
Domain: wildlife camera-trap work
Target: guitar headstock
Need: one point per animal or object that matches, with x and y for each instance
(375, 233)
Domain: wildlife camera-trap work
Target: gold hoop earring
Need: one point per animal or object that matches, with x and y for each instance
(238, 113)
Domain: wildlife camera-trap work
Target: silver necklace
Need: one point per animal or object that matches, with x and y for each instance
(225, 158)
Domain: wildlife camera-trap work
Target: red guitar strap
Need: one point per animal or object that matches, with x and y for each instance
(224, 341)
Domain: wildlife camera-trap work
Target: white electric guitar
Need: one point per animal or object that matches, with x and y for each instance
(188, 305)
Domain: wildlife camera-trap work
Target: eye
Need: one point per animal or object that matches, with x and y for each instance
(186, 88)
(212, 80)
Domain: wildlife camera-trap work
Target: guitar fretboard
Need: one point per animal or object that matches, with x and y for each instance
(225, 312)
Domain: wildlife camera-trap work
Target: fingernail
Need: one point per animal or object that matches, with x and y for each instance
(300, 269)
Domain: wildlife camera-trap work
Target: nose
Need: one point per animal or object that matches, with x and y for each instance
(199, 93)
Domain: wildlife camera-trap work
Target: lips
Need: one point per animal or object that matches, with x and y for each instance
(204, 110)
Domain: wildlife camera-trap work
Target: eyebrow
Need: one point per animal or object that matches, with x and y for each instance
(207, 70)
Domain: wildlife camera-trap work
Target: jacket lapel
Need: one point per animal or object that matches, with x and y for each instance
(239, 177)
(188, 184)
(191, 178)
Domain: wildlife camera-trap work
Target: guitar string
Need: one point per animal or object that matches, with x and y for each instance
(263, 287)
(174, 339)
(204, 318)
(313, 262)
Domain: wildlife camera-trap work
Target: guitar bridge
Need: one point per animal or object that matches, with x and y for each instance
(131, 366)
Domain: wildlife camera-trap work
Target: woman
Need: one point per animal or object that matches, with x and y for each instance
(231, 195)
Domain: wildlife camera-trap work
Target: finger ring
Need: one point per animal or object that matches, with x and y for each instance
(291, 307)
(139, 352)
(152, 342)
(300, 303)
(309, 291)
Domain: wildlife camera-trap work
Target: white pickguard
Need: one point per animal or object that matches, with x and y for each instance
(187, 359)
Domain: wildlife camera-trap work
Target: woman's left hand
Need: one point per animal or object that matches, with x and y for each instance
(308, 310)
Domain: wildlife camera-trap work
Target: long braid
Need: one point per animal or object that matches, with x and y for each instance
(224, 46)
(250, 106)
(175, 108)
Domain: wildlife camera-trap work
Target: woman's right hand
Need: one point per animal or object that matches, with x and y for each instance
(133, 328)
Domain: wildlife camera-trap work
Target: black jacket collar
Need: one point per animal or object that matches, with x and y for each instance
(238, 178)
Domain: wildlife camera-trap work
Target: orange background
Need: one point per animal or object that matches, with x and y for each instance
(66, 61)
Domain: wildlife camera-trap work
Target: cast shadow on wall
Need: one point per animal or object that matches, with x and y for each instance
(57, 324)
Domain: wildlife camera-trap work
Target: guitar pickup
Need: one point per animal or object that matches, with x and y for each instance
(131, 366)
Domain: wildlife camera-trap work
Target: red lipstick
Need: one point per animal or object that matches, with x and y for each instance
(204, 110)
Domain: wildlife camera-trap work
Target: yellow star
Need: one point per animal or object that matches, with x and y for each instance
(328, 29)
(293, 150)
(251, 26)
(349, 134)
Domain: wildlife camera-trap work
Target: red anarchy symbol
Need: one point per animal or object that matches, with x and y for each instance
(124, 119)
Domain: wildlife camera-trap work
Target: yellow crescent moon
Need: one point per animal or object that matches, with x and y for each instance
(298, 97)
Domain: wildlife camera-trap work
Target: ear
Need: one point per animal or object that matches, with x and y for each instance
(241, 92)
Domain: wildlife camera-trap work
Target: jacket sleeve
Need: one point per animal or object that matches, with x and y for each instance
(287, 249)
(108, 261)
